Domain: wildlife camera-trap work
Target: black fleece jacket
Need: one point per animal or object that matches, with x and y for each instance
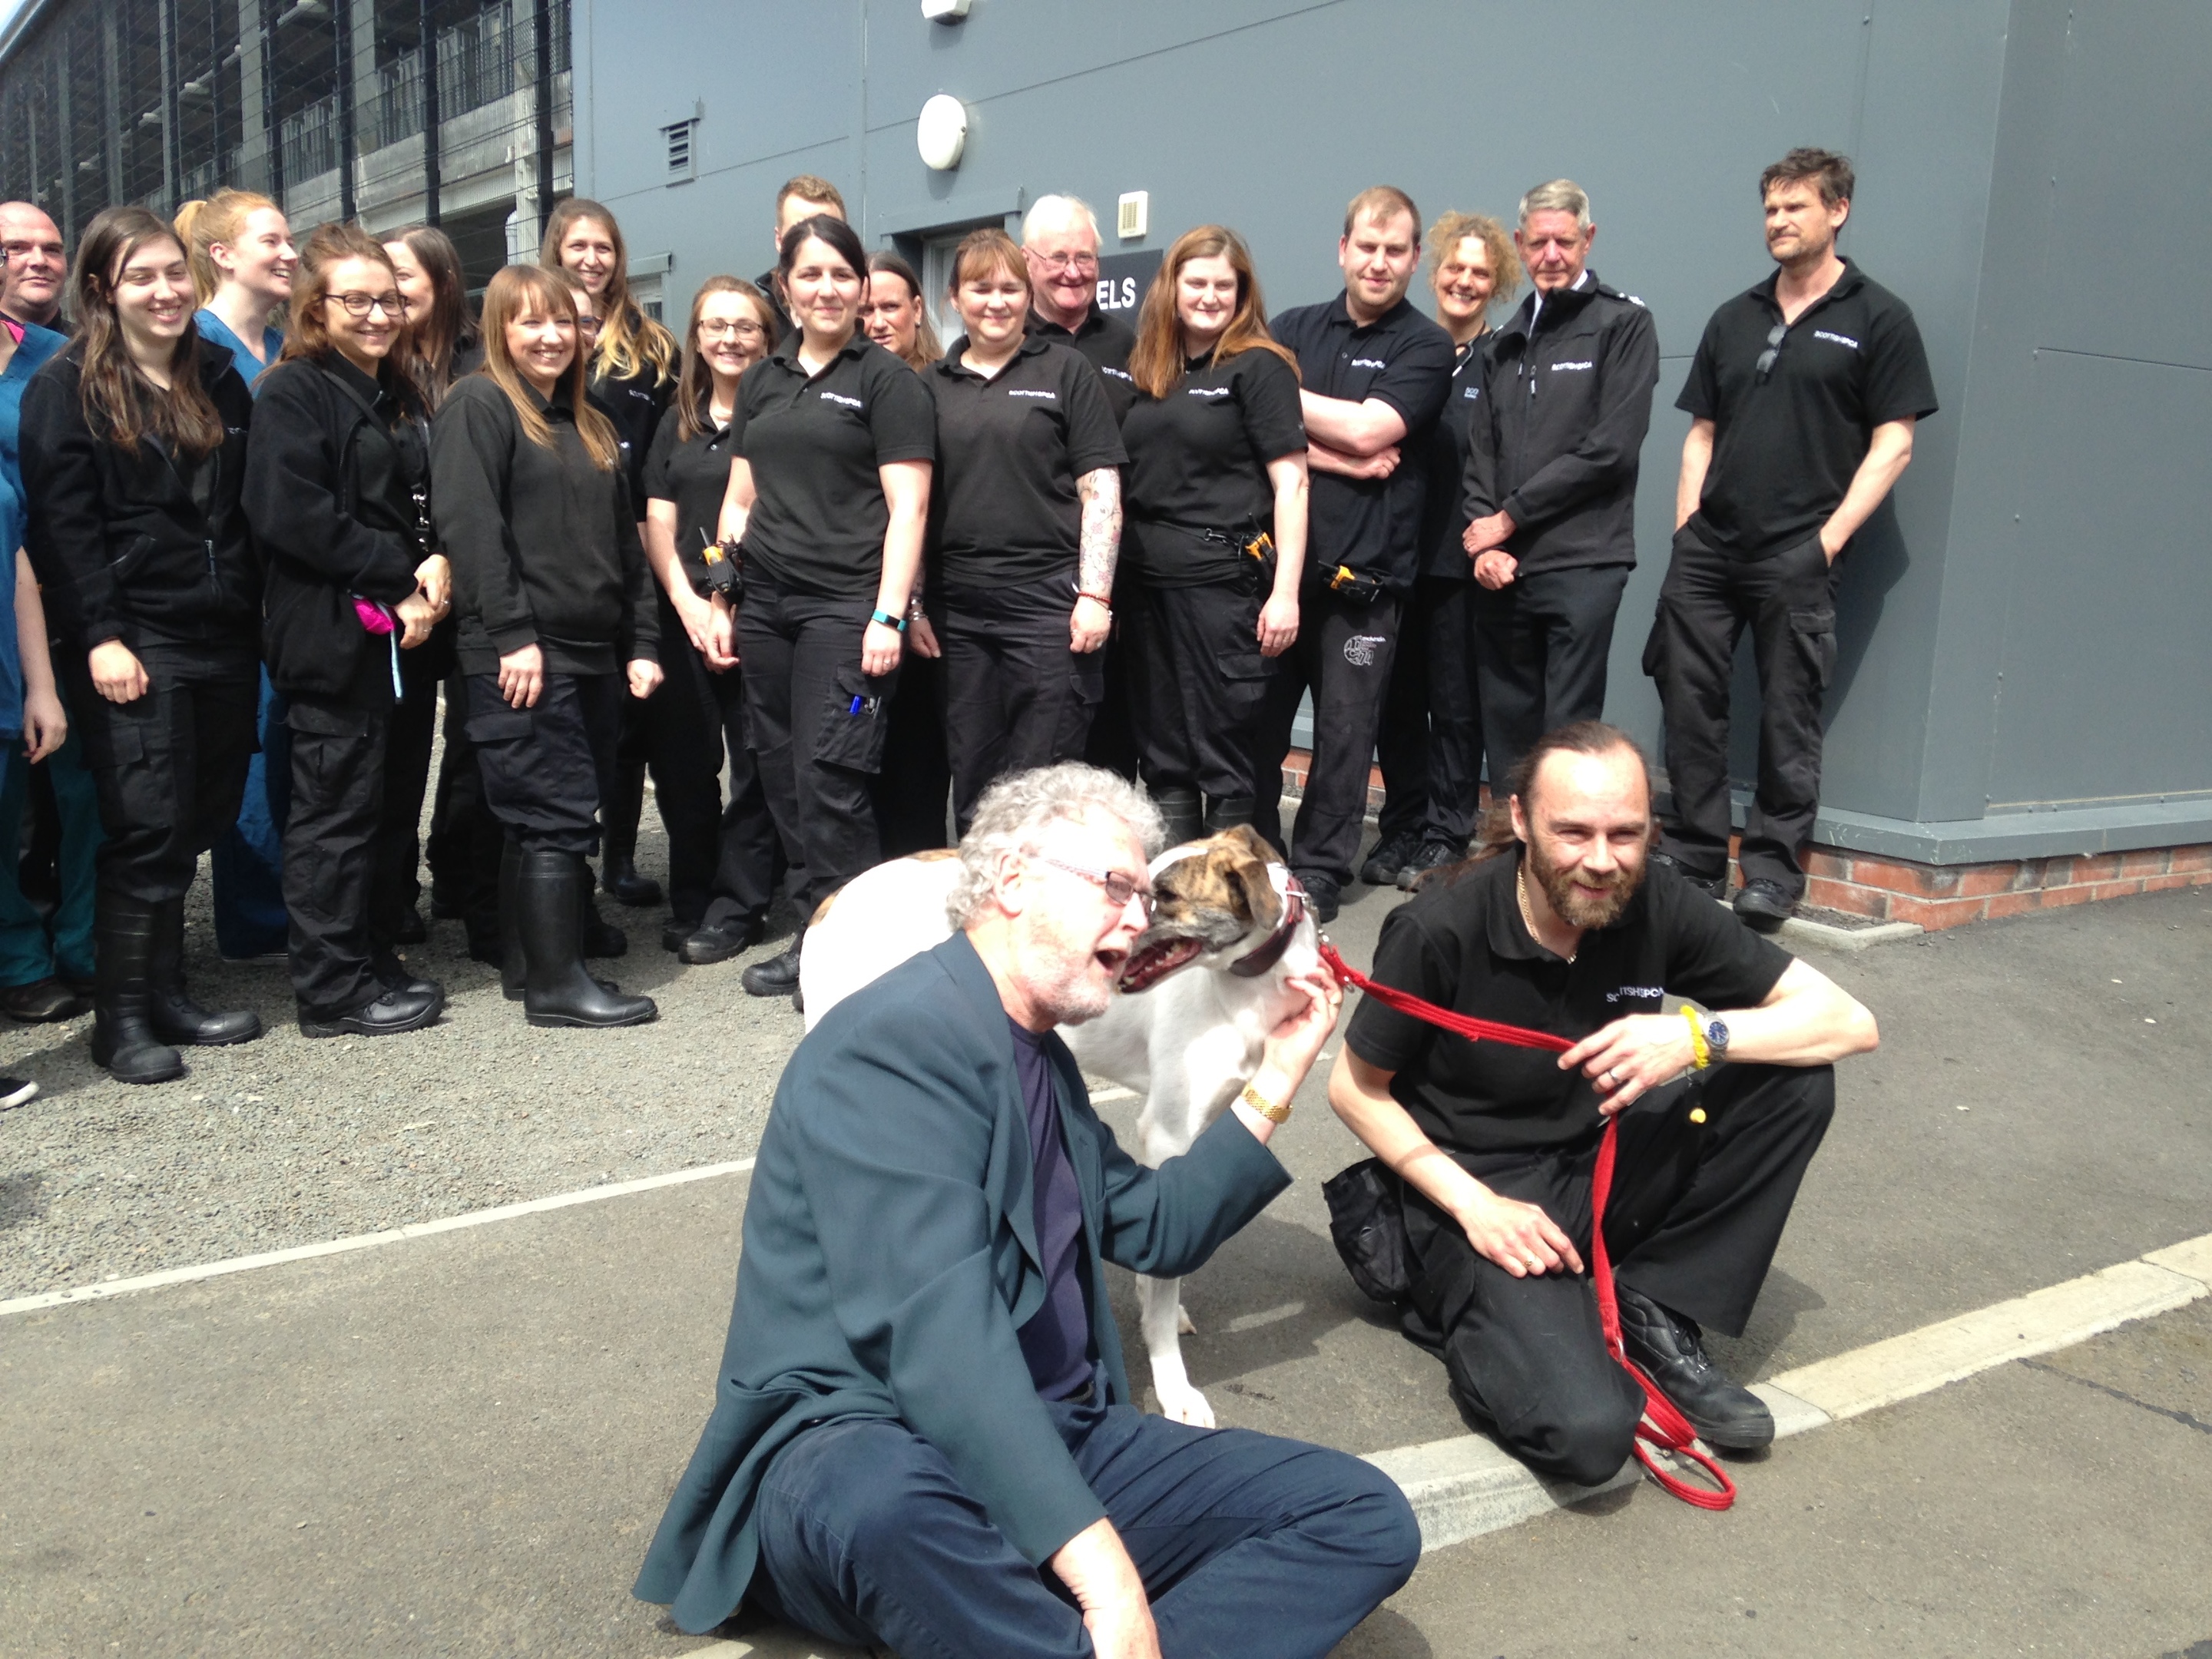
(132, 544)
(1559, 430)
(543, 544)
(331, 476)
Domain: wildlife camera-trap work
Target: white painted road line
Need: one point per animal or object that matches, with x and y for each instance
(239, 1264)
(1464, 1486)
(1883, 1373)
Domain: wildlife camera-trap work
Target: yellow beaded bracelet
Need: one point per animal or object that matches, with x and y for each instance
(1701, 1053)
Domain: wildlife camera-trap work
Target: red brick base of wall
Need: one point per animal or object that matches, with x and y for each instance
(1945, 896)
(1940, 896)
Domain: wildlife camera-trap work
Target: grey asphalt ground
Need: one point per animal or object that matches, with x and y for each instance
(461, 1444)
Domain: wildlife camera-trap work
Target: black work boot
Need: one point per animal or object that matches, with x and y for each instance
(618, 844)
(1389, 858)
(176, 1017)
(1672, 1353)
(1180, 820)
(776, 975)
(123, 1036)
(556, 990)
(1227, 811)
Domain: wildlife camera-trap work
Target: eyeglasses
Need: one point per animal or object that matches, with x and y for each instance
(1078, 262)
(1119, 889)
(721, 330)
(358, 306)
(1774, 339)
(588, 325)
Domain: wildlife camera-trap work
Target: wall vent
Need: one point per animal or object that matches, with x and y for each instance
(1135, 214)
(680, 139)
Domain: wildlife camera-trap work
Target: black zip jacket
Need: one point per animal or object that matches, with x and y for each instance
(133, 544)
(635, 403)
(543, 545)
(331, 476)
(1556, 436)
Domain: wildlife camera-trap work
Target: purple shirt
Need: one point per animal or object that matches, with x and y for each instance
(1056, 1341)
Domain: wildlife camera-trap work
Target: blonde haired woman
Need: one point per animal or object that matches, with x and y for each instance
(633, 362)
(242, 260)
(555, 613)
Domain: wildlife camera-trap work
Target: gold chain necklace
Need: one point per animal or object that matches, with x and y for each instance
(1527, 919)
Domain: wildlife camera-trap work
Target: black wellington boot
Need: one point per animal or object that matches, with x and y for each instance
(1179, 816)
(618, 844)
(176, 1017)
(123, 1037)
(1227, 811)
(556, 989)
(511, 968)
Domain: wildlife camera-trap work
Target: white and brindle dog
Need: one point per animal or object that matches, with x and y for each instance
(1203, 986)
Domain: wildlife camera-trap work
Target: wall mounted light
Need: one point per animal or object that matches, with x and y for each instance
(945, 11)
(942, 132)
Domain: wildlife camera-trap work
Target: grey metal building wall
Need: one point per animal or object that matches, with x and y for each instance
(2015, 633)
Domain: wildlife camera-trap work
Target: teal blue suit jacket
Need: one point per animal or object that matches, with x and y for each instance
(891, 1255)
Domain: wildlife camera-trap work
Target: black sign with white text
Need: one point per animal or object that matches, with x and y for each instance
(1122, 280)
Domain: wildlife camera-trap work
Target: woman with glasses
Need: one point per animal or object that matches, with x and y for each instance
(912, 789)
(558, 618)
(242, 263)
(634, 363)
(1026, 530)
(832, 440)
(721, 860)
(439, 336)
(336, 477)
(133, 455)
(1216, 537)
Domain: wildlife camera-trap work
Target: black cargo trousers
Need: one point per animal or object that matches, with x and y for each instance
(1788, 600)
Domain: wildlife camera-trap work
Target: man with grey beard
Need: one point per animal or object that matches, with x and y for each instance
(1559, 924)
(923, 1435)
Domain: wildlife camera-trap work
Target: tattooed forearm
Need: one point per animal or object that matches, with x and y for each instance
(1100, 492)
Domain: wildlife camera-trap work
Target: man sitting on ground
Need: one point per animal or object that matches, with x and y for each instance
(1559, 924)
(922, 1434)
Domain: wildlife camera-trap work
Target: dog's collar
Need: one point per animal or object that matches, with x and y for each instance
(1269, 951)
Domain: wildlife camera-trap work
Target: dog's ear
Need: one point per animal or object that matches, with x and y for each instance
(1242, 856)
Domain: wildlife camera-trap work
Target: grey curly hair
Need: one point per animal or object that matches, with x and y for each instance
(1015, 812)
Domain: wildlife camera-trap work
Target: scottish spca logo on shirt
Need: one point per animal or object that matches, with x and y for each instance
(1638, 994)
(842, 401)
(1586, 363)
(1844, 340)
(1368, 362)
(1023, 391)
(1209, 391)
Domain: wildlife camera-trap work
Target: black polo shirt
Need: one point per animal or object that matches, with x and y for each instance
(1404, 360)
(1785, 451)
(694, 474)
(1009, 450)
(1462, 945)
(1197, 462)
(815, 443)
(1444, 510)
(1105, 343)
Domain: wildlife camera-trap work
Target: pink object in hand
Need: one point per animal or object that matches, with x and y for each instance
(374, 617)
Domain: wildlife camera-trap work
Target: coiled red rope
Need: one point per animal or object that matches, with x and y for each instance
(1663, 1426)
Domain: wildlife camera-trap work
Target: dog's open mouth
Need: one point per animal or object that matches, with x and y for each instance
(1151, 964)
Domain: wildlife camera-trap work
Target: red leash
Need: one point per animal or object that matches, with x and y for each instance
(1663, 1426)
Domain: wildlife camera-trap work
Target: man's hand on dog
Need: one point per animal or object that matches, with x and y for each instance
(1630, 1057)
